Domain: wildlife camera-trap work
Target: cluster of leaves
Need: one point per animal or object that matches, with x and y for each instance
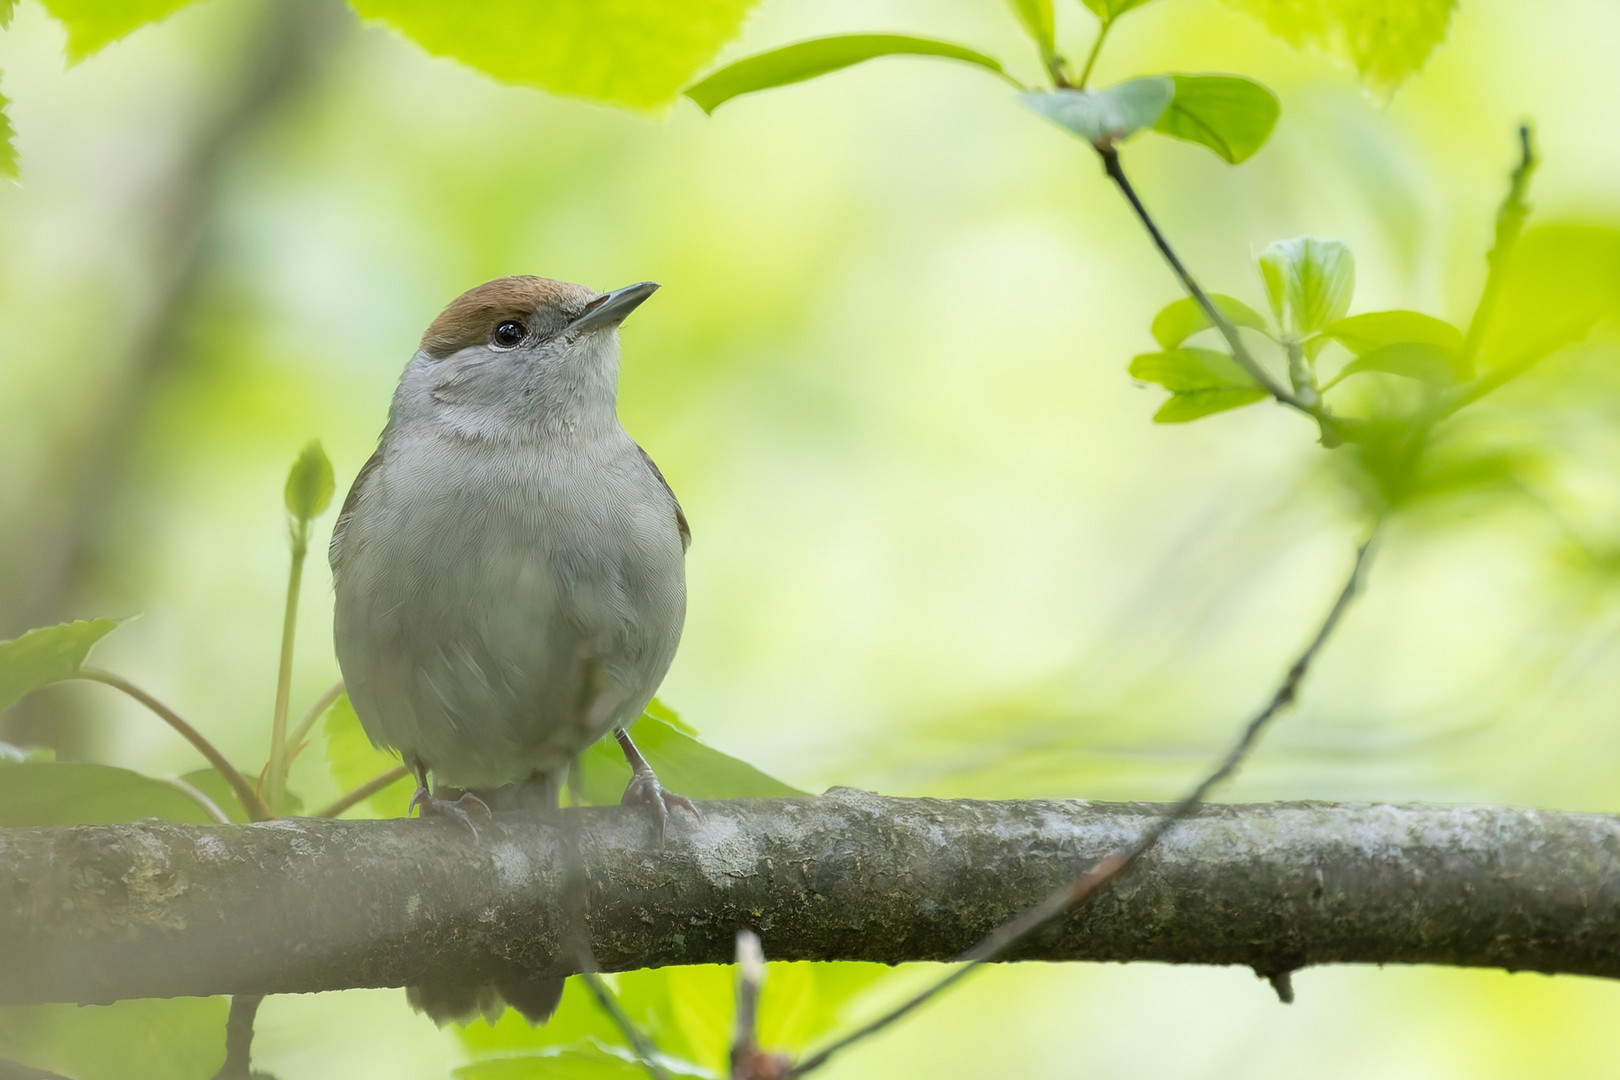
(638, 54)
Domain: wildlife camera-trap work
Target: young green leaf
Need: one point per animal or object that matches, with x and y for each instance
(80, 793)
(309, 483)
(1109, 10)
(683, 762)
(1231, 116)
(1103, 117)
(1560, 281)
(818, 56)
(1308, 281)
(8, 152)
(6, 7)
(137, 1039)
(1181, 319)
(92, 24)
(1384, 40)
(1036, 17)
(46, 655)
(1376, 329)
(635, 53)
(1418, 360)
(354, 761)
(1195, 404)
(1191, 369)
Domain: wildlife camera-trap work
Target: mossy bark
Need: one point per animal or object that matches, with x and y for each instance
(149, 909)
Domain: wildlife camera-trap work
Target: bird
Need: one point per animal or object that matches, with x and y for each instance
(509, 571)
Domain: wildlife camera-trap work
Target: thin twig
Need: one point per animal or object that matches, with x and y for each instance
(1091, 57)
(239, 1038)
(315, 712)
(251, 803)
(748, 1060)
(364, 791)
(1106, 870)
(646, 1053)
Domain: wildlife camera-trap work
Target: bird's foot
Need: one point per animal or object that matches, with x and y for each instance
(644, 789)
(461, 809)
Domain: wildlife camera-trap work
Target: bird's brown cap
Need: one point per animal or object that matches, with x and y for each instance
(473, 316)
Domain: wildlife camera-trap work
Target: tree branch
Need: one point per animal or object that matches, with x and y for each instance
(150, 909)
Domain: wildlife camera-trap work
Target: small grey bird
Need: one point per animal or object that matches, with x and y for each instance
(509, 568)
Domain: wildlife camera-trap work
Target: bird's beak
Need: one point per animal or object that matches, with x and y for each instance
(610, 309)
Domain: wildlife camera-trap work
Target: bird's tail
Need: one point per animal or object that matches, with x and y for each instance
(535, 997)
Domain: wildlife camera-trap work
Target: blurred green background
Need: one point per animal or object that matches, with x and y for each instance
(938, 546)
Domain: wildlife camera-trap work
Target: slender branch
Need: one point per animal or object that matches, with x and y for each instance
(1091, 57)
(364, 792)
(315, 712)
(251, 803)
(646, 1053)
(1106, 870)
(200, 797)
(276, 770)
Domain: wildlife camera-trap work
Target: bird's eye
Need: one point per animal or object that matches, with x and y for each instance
(508, 334)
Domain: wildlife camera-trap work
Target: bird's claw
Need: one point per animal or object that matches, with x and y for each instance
(645, 789)
(462, 809)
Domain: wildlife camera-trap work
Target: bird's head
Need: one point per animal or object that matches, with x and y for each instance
(518, 352)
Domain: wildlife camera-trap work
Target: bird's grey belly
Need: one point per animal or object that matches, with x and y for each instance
(485, 628)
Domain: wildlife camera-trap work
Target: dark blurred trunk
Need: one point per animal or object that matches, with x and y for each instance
(281, 53)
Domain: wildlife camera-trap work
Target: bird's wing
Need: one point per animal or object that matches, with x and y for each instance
(680, 515)
(334, 549)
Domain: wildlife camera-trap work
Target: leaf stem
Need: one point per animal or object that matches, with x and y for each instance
(276, 774)
(1091, 57)
(315, 711)
(364, 791)
(200, 797)
(1105, 871)
(1509, 224)
(645, 1052)
(251, 803)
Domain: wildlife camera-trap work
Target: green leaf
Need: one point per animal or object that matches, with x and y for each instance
(635, 53)
(78, 793)
(1192, 405)
(807, 59)
(1309, 282)
(1108, 10)
(309, 483)
(1191, 369)
(1036, 17)
(216, 787)
(92, 24)
(47, 655)
(1413, 359)
(684, 764)
(8, 152)
(1231, 116)
(6, 7)
(1384, 40)
(1102, 117)
(585, 1061)
(353, 761)
(1376, 329)
(141, 1039)
(1180, 320)
(1560, 281)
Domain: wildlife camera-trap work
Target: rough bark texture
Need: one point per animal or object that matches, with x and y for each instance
(96, 913)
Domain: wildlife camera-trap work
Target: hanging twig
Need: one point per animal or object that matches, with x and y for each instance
(1107, 870)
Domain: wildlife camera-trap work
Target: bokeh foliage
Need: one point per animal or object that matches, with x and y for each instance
(1546, 442)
